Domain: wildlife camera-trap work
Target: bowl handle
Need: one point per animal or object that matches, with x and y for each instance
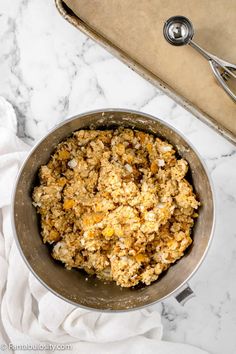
(184, 294)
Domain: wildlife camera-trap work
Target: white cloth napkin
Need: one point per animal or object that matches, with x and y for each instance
(33, 317)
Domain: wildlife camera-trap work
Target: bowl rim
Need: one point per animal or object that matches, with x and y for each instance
(110, 110)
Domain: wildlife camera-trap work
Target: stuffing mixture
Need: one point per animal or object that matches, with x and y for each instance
(116, 204)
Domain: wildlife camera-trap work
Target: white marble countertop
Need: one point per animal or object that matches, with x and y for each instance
(50, 71)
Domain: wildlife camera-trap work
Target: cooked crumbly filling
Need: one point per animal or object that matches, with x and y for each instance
(116, 204)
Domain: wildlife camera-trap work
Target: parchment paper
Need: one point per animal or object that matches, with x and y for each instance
(136, 26)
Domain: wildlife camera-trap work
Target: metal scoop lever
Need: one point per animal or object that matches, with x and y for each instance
(178, 30)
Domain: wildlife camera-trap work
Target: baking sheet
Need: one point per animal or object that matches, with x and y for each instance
(132, 30)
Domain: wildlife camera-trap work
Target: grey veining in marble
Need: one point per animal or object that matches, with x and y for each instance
(50, 71)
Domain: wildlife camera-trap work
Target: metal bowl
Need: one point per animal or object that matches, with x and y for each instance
(73, 285)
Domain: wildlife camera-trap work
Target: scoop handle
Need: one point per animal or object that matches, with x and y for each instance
(200, 50)
(215, 68)
(217, 64)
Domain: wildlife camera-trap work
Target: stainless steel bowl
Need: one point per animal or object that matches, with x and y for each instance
(72, 285)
